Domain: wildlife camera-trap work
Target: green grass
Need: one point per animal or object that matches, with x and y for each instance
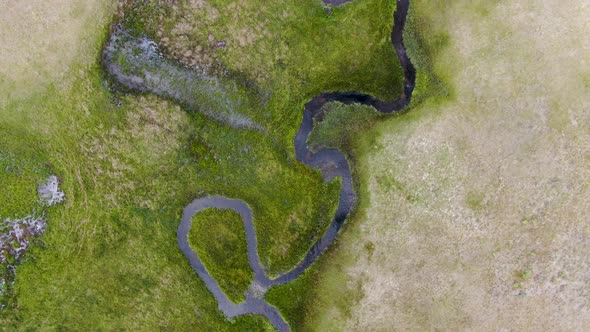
(285, 66)
(323, 285)
(109, 254)
(417, 190)
(341, 124)
(19, 178)
(323, 297)
(219, 238)
(21, 171)
(424, 42)
(288, 62)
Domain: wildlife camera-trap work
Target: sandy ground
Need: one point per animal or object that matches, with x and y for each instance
(478, 208)
(40, 39)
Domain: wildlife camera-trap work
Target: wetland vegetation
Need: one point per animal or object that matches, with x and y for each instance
(471, 208)
(129, 163)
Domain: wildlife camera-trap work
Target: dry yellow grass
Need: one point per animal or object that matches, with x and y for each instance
(40, 39)
(478, 209)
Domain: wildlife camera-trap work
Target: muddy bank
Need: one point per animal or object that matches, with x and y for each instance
(136, 64)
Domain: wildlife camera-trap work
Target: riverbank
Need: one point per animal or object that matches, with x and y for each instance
(321, 159)
(130, 163)
(476, 203)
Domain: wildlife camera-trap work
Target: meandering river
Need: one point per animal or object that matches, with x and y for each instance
(339, 166)
(255, 303)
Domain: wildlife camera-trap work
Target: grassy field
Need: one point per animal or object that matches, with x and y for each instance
(281, 83)
(219, 238)
(342, 125)
(474, 204)
(128, 164)
(22, 174)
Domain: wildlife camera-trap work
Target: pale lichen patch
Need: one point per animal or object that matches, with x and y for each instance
(49, 192)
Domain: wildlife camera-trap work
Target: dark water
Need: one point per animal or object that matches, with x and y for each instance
(147, 82)
(254, 303)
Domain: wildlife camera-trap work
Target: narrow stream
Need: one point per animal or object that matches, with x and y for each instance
(191, 83)
(255, 303)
